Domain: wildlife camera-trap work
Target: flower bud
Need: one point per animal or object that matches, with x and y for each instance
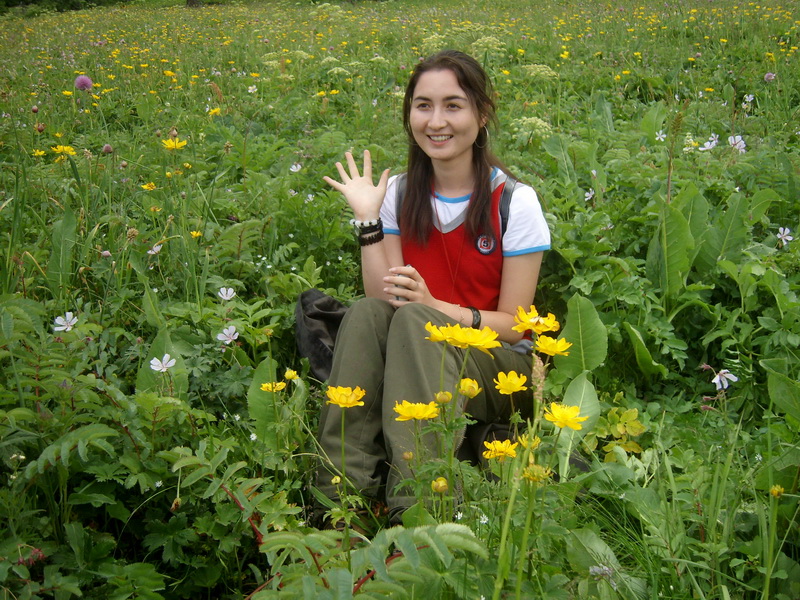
(408, 456)
(439, 485)
(34, 109)
(40, 127)
(107, 149)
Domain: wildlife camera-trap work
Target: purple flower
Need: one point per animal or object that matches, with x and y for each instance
(769, 77)
(82, 82)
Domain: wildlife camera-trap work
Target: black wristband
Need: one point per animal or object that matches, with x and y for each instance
(476, 317)
(372, 227)
(366, 240)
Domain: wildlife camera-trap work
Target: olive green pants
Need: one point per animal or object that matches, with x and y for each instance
(383, 350)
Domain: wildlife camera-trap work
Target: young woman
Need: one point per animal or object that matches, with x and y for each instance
(445, 257)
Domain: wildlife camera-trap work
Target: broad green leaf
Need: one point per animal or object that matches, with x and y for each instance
(263, 406)
(784, 392)
(558, 147)
(643, 357)
(59, 267)
(668, 254)
(653, 120)
(694, 207)
(727, 235)
(603, 115)
(580, 393)
(760, 203)
(588, 336)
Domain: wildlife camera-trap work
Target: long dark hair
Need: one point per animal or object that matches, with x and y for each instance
(416, 218)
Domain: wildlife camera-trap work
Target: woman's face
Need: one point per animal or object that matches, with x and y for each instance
(443, 120)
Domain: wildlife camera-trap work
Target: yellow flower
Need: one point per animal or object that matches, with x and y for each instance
(345, 397)
(776, 491)
(321, 93)
(547, 345)
(155, 209)
(214, 112)
(255, 74)
(168, 174)
(150, 186)
(443, 397)
(420, 411)
(500, 450)
(173, 144)
(67, 93)
(334, 92)
(336, 480)
(463, 337)
(530, 443)
(533, 321)
(63, 150)
(536, 473)
(289, 375)
(508, 383)
(169, 74)
(273, 386)
(196, 234)
(469, 388)
(563, 416)
(439, 485)
(186, 165)
(38, 152)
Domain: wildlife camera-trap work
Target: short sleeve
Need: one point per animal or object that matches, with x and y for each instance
(527, 230)
(389, 208)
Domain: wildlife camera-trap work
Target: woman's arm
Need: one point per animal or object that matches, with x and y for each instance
(365, 198)
(517, 288)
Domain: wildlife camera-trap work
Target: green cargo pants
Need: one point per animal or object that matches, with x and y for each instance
(383, 350)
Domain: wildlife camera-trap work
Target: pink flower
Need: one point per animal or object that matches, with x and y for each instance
(769, 77)
(82, 82)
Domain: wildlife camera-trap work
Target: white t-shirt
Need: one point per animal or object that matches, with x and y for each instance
(526, 232)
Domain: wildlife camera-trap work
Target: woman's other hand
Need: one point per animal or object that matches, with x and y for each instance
(363, 196)
(405, 284)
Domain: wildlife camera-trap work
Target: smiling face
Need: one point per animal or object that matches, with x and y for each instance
(442, 118)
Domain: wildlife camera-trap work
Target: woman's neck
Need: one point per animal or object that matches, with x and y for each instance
(453, 180)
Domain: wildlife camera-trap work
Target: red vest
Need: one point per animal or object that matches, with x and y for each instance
(461, 270)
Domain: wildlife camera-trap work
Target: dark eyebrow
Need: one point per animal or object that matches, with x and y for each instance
(447, 99)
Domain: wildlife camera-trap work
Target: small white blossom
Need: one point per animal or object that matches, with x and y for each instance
(226, 293)
(252, 89)
(749, 98)
(295, 167)
(228, 335)
(589, 195)
(484, 519)
(661, 136)
(65, 323)
(783, 236)
(155, 249)
(737, 143)
(159, 483)
(237, 418)
(459, 516)
(162, 365)
(253, 437)
(722, 378)
(309, 198)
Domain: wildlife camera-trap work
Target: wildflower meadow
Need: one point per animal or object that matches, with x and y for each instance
(162, 207)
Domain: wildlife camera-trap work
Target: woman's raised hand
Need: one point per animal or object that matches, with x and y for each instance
(363, 196)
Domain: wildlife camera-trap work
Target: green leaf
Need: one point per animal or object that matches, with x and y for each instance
(580, 393)
(668, 254)
(557, 147)
(263, 406)
(59, 267)
(588, 336)
(784, 392)
(644, 359)
(653, 120)
(726, 236)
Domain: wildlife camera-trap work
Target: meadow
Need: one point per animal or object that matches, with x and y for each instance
(162, 207)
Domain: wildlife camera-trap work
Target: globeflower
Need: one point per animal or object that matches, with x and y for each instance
(469, 388)
(532, 321)
(273, 386)
(345, 397)
(536, 473)
(548, 345)
(500, 450)
(173, 144)
(563, 416)
(509, 383)
(440, 485)
(418, 411)
(290, 374)
(463, 337)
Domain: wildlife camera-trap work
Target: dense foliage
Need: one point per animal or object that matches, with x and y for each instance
(161, 208)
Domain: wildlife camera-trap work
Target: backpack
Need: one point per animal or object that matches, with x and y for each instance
(505, 200)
